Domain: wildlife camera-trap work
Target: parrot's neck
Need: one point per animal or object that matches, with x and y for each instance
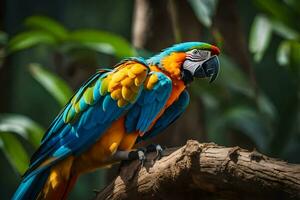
(178, 85)
(170, 65)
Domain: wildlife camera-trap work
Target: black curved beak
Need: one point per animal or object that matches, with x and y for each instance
(209, 68)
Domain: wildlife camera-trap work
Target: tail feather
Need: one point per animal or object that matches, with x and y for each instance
(30, 188)
(47, 183)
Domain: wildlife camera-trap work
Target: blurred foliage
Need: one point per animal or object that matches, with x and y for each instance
(46, 31)
(58, 88)
(204, 10)
(280, 17)
(232, 106)
(268, 118)
(13, 149)
(43, 30)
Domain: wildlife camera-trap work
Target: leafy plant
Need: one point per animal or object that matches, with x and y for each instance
(11, 146)
(52, 83)
(44, 30)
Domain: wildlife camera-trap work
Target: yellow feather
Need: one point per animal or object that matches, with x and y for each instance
(88, 95)
(121, 103)
(118, 76)
(130, 74)
(138, 69)
(113, 147)
(139, 79)
(116, 94)
(151, 81)
(53, 179)
(127, 82)
(77, 107)
(113, 85)
(126, 93)
(104, 85)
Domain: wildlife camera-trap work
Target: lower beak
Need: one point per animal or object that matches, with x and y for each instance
(210, 68)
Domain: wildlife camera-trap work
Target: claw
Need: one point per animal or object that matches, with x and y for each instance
(138, 154)
(155, 148)
(159, 151)
(141, 157)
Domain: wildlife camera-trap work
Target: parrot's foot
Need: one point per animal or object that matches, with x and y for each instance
(138, 154)
(155, 148)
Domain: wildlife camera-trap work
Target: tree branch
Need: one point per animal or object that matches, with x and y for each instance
(206, 171)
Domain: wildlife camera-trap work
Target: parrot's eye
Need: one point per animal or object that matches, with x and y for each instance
(197, 54)
(195, 51)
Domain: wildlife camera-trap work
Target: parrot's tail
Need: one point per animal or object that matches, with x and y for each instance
(31, 186)
(51, 183)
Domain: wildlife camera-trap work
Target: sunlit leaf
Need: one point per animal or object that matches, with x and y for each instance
(103, 42)
(284, 31)
(47, 24)
(23, 126)
(283, 53)
(260, 36)
(52, 83)
(29, 39)
(14, 151)
(204, 10)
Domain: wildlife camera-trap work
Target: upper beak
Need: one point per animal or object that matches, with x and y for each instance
(210, 68)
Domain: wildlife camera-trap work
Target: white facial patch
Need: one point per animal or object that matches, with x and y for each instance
(198, 55)
(191, 65)
(195, 58)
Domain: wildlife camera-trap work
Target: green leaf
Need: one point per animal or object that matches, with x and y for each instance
(283, 53)
(233, 78)
(266, 107)
(284, 31)
(23, 126)
(278, 10)
(103, 42)
(204, 10)
(288, 55)
(260, 35)
(47, 24)
(14, 152)
(52, 83)
(29, 39)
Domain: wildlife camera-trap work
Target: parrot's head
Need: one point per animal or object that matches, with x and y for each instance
(188, 60)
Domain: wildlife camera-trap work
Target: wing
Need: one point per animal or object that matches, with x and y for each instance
(157, 90)
(170, 115)
(101, 100)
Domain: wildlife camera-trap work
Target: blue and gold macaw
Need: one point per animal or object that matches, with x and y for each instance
(112, 111)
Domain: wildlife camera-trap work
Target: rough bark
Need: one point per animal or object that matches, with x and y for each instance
(206, 171)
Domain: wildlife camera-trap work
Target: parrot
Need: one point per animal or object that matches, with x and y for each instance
(111, 112)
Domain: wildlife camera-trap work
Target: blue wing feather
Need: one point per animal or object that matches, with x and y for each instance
(73, 137)
(149, 104)
(169, 116)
